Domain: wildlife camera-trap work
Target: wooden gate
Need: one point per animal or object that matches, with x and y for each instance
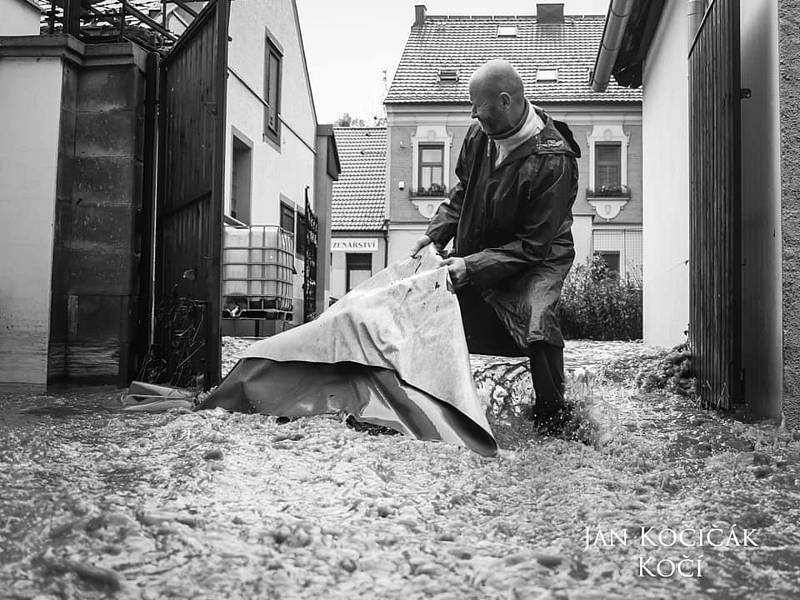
(715, 205)
(189, 217)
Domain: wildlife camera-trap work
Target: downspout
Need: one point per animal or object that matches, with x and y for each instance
(696, 12)
(617, 19)
(385, 243)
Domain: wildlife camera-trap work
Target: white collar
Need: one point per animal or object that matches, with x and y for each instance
(532, 126)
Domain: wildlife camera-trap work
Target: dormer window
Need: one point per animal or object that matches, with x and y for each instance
(547, 75)
(448, 74)
(507, 31)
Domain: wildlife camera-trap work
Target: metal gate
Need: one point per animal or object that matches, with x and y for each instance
(715, 205)
(189, 219)
(310, 268)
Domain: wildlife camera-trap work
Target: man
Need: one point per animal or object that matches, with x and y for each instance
(509, 217)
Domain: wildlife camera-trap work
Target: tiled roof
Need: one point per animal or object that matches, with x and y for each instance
(359, 195)
(464, 43)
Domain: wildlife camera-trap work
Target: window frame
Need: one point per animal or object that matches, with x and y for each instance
(240, 204)
(604, 133)
(507, 31)
(448, 75)
(272, 50)
(420, 190)
(598, 164)
(300, 226)
(355, 257)
(287, 208)
(547, 75)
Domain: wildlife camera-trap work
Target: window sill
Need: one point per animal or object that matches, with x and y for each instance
(234, 222)
(618, 193)
(436, 196)
(273, 138)
(601, 197)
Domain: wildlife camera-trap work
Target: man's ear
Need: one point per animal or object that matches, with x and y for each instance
(505, 100)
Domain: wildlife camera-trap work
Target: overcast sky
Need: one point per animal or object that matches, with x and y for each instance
(349, 44)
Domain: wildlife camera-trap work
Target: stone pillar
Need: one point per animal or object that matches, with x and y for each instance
(97, 242)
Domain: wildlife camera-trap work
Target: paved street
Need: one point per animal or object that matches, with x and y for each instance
(213, 505)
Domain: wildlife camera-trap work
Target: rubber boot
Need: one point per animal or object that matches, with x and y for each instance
(550, 412)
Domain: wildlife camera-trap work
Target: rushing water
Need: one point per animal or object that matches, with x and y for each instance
(97, 503)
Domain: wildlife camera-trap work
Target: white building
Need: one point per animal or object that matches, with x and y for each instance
(272, 146)
(656, 39)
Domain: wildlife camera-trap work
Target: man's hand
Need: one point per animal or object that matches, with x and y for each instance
(419, 245)
(457, 268)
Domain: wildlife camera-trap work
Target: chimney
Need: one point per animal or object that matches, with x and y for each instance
(550, 13)
(419, 15)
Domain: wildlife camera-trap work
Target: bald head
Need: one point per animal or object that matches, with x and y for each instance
(497, 96)
(498, 76)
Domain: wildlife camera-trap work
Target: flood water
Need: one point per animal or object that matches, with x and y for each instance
(98, 503)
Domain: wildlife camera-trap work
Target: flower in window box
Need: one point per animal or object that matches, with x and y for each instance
(435, 189)
(612, 190)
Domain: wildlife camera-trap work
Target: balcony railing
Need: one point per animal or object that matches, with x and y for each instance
(140, 21)
(609, 191)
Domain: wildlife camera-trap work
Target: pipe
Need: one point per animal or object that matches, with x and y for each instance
(618, 14)
(696, 12)
(385, 228)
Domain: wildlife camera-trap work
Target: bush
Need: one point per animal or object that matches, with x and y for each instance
(596, 304)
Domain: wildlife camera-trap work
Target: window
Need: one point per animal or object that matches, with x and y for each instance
(431, 170)
(611, 258)
(359, 269)
(608, 163)
(272, 91)
(607, 166)
(300, 238)
(546, 74)
(507, 31)
(448, 74)
(287, 218)
(241, 167)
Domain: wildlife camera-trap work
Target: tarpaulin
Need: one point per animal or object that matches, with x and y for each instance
(391, 352)
(152, 397)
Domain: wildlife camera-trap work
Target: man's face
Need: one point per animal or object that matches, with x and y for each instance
(489, 109)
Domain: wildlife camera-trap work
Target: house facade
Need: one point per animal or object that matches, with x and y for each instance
(656, 40)
(428, 114)
(358, 208)
(271, 146)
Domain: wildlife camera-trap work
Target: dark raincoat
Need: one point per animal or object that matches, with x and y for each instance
(512, 225)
